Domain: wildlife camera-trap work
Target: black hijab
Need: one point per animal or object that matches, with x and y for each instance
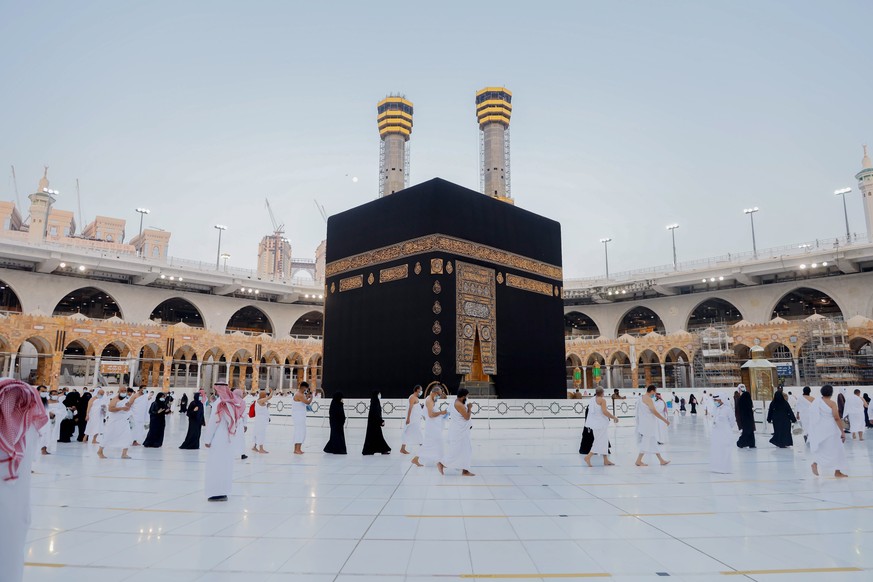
(336, 407)
(779, 403)
(159, 403)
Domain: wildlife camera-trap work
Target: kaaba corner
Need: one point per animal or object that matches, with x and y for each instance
(441, 283)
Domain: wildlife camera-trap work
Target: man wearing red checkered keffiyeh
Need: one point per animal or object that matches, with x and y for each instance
(21, 415)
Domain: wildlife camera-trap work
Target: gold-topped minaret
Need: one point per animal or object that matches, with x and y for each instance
(493, 111)
(394, 116)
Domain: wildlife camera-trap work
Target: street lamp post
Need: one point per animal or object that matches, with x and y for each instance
(751, 212)
(672, 228)
(219, 228)
(842, 192)
(224, 257)
(142, 213)
(606, 242)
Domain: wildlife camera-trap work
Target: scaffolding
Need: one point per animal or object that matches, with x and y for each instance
(827, 356)
(716, 363)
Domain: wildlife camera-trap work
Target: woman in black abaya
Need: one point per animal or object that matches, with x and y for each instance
(782, 417)
(195, 423)
(374, 442)
(68, 425)
(82, 408)
(337, 443)
(183, 404)
(158, 412)
(745, 418)
(692, 402)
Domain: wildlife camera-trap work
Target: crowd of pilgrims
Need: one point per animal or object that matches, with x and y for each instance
(220, 418)
(822, 419)
(137, 417)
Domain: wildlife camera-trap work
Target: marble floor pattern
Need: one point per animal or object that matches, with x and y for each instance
(532, 512)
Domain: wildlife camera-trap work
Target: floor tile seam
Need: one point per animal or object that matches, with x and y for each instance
(375, 517)
(670, 535)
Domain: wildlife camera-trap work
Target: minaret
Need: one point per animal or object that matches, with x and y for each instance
(40, 205)
(395, 126)
(865, 185)
(493, 110)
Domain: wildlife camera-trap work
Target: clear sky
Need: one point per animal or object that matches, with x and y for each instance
(627, 116)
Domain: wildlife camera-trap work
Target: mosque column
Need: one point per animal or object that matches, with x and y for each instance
(96, 372)
(282, 377)
(691, 372)
(663, 376)
(131, 371)
(12, 358)
(306, 373)
(197, 380)
(168, 366)
(256, 379)
(635, 380)
(796, 371)
(47, 374)
(585, 377)
(609, 376)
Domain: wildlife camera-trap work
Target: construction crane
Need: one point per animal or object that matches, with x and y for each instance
(278, 229)
(278, 240)
(321, 211)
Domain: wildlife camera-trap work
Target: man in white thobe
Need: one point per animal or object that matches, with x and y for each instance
(22, 414)
(724, 426)
(220, 439)
(51, 432)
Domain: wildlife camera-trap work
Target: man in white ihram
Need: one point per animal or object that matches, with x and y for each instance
(21, 416)
(647, 430)
(459, 453)
(854, 409)
(826, 435)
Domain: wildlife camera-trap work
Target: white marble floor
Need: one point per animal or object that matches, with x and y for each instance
(533, 512)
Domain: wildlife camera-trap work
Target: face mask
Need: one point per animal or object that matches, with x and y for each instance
(718, 403)
(379, 396)
(122, 395)
(53, 397)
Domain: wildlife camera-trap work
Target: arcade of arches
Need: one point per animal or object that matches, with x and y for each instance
(76, 351)
(807, 338)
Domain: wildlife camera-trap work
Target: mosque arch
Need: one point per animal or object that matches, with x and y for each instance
(92, 302)
(177, 310)
(677, 368)
(150, 366)
(648, 368)
(33, 360)
(801, 302)
(310, 324)
(742, 352)
(241, 369)
(778, 352)
(214, 367)
(640, 320)
(250, 320)
(115, 349)
(713, 311)
(619, 373)
(9, 301)
(315, 365)
(579, 324)
(572, 362)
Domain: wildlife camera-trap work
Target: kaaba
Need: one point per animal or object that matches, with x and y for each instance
(441, 283)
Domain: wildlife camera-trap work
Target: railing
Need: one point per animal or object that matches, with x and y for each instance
(720, 261)
(177, 262)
